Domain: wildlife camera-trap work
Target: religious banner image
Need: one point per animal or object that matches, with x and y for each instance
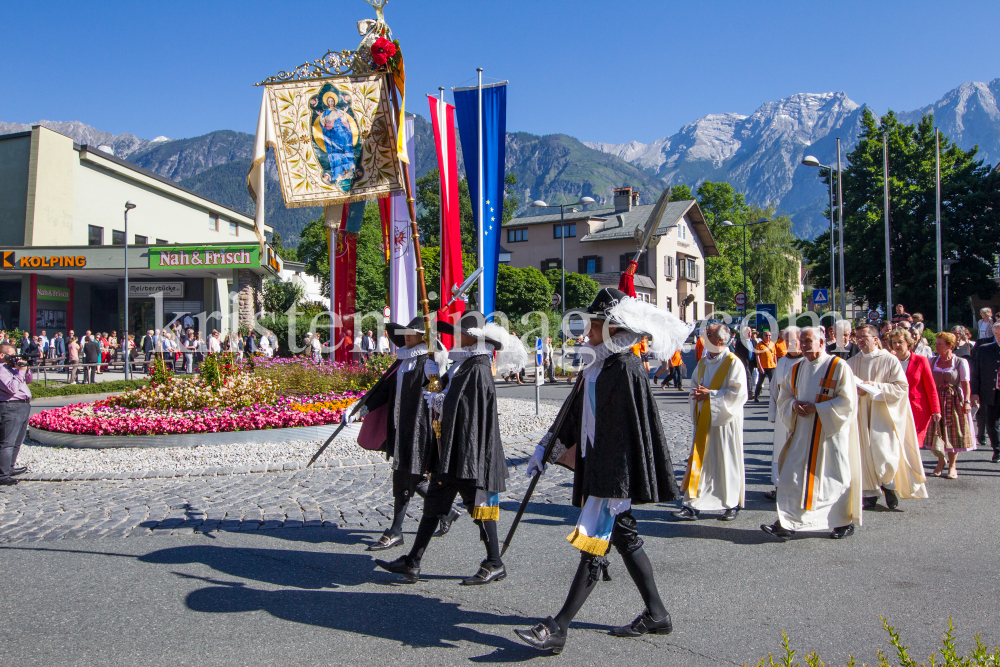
(334, 140)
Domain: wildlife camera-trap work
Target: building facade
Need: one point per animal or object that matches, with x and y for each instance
(62, 238)
(600, 243)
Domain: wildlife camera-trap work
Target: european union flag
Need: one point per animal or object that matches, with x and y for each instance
(494, 152)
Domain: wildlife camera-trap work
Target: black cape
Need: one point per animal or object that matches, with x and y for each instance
(415, 433)
(630, 457)
(470, 445)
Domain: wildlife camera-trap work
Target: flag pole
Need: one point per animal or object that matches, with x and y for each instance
(937, 218)
(482, 221)
(888, 264)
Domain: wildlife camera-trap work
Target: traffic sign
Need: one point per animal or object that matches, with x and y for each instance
(556, 300)
(873, 316)
(769, 308)
(538, 351)
(821, 296)
(740, 299)
(386, 311)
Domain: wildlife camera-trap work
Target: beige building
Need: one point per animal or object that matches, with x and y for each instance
(601, 242)
(62, 210)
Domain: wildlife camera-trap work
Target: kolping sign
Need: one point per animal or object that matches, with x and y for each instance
(10, 260)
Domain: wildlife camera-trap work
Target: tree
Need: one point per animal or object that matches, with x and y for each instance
(280, 295)
(314, 251)
(970, 222)
(429, 209)
(680, 192)
(580, 289)
(372, 284)
(285, 253)
(521, 291)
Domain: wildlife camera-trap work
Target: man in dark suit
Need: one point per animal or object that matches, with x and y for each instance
(29, 349)
(985, 387)
(91, 355)
(59, 345)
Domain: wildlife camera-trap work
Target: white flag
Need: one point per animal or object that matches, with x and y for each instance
(403, 272)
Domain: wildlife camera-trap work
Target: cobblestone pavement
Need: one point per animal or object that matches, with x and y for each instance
(357, 494)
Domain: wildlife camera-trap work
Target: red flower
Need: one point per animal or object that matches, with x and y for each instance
(382, 50)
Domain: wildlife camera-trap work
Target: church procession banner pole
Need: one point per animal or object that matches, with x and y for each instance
(482, 220)
(840, 218)
(888, 265)
(937, 218)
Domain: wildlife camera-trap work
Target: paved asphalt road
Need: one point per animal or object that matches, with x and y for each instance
(311, 596)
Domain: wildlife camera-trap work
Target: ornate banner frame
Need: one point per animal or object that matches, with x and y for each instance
(335, 139)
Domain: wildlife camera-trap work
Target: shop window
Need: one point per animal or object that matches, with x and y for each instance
(589, 265)
(213, 222)
(570, 231)
(141, 240)
(117, 237)
(517, 235)
(234, 229)
(95, 235)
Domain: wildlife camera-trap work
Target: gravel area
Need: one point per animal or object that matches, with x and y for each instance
(517, 424)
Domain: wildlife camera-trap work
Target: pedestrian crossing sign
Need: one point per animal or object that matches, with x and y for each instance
(820, 296)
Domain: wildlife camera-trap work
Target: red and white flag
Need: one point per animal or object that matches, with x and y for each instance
(443, 122)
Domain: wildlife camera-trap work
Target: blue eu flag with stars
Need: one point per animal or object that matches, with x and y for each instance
(494, 153)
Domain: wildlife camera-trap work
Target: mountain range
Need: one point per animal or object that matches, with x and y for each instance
(759, 154)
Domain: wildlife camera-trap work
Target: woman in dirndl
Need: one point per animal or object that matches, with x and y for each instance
(954, 433)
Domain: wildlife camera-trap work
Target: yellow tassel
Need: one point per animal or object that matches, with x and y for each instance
(592, 545)
(486, 513)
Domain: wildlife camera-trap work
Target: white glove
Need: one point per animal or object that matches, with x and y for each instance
(348, 416)
(536, 465)
(434, 400)
(430, 368)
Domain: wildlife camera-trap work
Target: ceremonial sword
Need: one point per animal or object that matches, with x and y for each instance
(343, 423)
(556, 427)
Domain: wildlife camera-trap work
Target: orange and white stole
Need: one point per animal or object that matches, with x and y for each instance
(827, 390)
(702, 425)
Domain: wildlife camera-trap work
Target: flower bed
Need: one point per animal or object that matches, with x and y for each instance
(103, 418)
(305, 376)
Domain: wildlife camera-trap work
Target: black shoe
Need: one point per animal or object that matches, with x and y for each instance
(545, 636)
(644, 624)
(686, 514)
(7, 481)
(445, 522)
(869, 502)
(387, 541)
(18, 471)
(996, 457)
(756, 399)
(400, 566)
(488, 572)
(891, 498)
(730, 514)
(842, 532)
(778, 531)
(771, 495)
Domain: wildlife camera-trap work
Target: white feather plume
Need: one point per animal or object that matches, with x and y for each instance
(513, 357)
(667, 332)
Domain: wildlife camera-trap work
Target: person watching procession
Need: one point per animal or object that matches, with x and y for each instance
(790, 337)
(890, 452)
(767, 358)
(953, 379)
(922, 391)
(918, 324)
(963, 346)
(900, 315)
(819, 467)
(841, 346)
(985, 325)
(744, 351)
(613, 440)
(469, 459)
(715, 479)
(15, 408)
(383, 343)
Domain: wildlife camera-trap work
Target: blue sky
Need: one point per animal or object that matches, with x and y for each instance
(599, 71)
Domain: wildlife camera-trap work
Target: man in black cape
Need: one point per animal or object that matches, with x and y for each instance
(408, 436)
(468, 460)
(613, 439)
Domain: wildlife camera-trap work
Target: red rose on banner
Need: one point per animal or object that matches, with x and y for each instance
(382, 50)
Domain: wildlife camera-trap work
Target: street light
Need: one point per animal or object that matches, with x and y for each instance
(538, 203)
(129, 205)
(730, 223)
(946, 269)
(811, 161)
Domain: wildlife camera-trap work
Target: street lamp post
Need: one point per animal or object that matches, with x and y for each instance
(811, 161)
(946, 269)
(128, 207)
(730, 223)
(538, 203)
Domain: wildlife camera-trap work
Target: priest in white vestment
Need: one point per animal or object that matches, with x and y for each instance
(819, 466)
(791, 338)
(715, 479)
(890, 453)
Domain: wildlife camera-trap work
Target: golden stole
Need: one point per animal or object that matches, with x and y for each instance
(704, 412)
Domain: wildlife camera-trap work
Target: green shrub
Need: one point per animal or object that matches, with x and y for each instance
(38, 391)
(980, 656)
